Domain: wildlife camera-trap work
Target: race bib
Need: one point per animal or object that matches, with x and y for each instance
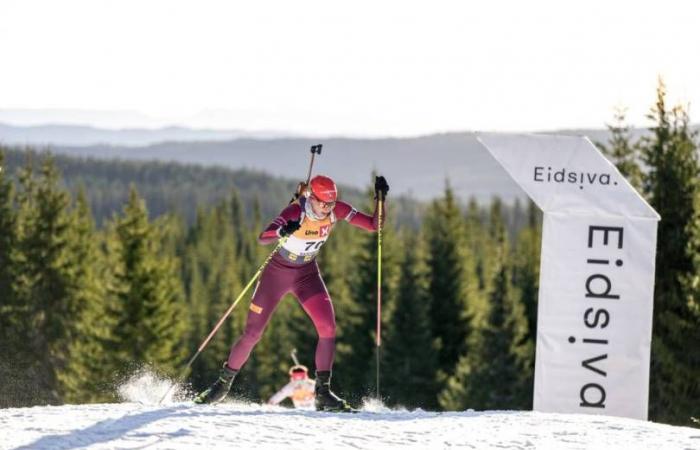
(307, 241)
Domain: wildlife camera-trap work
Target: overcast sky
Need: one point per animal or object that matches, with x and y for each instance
(361, 68)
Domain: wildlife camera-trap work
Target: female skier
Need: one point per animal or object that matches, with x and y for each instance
(300, 388)
(308, 223)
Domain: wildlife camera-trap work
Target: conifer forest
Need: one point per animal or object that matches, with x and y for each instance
(111, 267)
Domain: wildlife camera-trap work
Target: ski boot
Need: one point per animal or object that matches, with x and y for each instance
(218, 391)
(326, 400)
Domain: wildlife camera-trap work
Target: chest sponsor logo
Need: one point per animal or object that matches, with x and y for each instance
(325, 229)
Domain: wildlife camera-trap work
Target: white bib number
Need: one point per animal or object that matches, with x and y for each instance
(303, 247)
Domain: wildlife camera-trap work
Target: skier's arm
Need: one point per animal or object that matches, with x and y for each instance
(359, 219)
(362, 220)
(280, 395)
(271, 233)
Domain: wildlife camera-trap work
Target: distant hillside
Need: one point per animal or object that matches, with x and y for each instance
(183, 188)
(417, 167)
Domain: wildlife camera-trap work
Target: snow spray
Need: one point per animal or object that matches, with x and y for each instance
(145, 386)
(374, 405)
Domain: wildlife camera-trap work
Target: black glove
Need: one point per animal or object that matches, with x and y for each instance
(380, 185)
(288, 228)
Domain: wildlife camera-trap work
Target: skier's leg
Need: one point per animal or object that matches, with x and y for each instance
(266, 297)
(320, 310)
(311, 292)
(313, 296)
(272, 286)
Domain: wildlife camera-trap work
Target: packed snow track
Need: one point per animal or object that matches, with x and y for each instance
(251, 426)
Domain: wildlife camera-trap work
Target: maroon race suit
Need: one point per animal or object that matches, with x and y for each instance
(294, 270)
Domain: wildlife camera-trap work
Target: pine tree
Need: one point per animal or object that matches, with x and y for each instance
(410, 360)
(147, 306)
(21, 362)
(8, 234)
(672, 186)
(449, 282)
(622, 151)
(476, 242)
(49, 287)
(494, 372)
(243, 243)
(85, 376)
(10, 318)
(526, 267)
(212, 283)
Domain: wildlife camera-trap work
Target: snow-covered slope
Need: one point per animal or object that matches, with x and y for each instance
(183, 425)
(235, 425)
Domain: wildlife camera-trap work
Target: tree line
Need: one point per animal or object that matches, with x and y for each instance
(84, 306)
(664, 166)
(174, 188)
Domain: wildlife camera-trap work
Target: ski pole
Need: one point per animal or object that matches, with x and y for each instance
(223, 318)
(315, 150)
(294, 357)
(380, 204)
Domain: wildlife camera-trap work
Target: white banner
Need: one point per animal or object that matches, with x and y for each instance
(596, 275)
